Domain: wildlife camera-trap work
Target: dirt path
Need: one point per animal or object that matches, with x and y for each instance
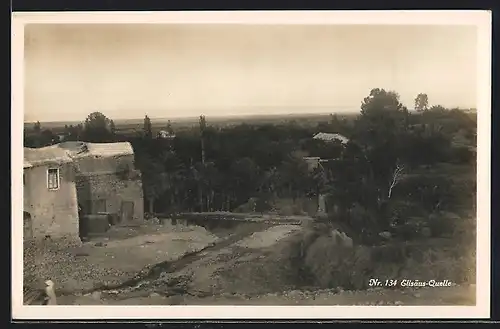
(200, 274)
(240, 271)
(169, 274)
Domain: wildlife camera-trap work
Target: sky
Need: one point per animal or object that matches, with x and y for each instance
(172, 71)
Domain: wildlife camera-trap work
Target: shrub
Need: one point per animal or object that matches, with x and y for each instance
(289, 207)
(408, 231)
(361, 217)
(399, 211)
(329, 265)
(443, 224)
(262, 205)
(247, 207)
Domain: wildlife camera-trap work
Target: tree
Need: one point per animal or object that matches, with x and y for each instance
(112, 127)
(372, 159)
(438, 109)
(209, 181)
(169, 128)
(147, 128)
(382, 118)
(421, 102)
(203, 126)
(336, 125)
(243, 183)
(295, 177)
(173, 170)
(37, 127)
(78, 131)
(153, 177)
(380, 101)
(97, 128)
(396, 177)
(71, 133)
(40, 139)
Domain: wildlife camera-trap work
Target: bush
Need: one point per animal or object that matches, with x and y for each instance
(409, 231)
(247, 207)
(289, 207)
(262, 205)
(400, 210)
(259, 205)
(328, 265)
(361, 217)
(463, 154)
(443, 224)
(331, 265)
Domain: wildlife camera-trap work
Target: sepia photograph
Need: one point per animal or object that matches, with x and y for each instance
(253, 160)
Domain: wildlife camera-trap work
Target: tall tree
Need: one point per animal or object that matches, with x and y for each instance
(198, 171)
(154, 178)
(97, 128)
(37, 127)
(421, 102)
(79, 131)
(147, 128)
(112, 127)
(203, 126)
(380, 101)
(373, 157)
(169, 128)
(382, 117)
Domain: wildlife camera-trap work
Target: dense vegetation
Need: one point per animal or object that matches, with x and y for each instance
(400, 169)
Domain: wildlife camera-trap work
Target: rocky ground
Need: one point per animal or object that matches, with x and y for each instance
(457, 295)
(247, 268)
(113, 259)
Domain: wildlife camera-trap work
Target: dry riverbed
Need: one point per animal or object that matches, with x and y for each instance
(244, 265)
(117, 258)
(210, 273)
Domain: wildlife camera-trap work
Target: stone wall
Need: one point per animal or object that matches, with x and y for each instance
(113, 189)
(105, 180)
(53, 212)
(97, 164)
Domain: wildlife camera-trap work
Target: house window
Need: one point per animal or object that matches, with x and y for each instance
(53, 178)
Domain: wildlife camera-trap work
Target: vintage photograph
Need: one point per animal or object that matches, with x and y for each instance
(250, 164)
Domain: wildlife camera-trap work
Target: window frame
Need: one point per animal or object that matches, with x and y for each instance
(58, 176)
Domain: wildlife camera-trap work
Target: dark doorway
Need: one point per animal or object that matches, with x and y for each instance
(127, 211)
(98, 205)
(28, 225)
(82, 222)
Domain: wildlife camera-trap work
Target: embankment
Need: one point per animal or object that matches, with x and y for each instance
(310, 259)
(318, 261)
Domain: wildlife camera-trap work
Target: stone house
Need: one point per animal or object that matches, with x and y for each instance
(89, 178)
(165, 134)
(106, 179)
(50, 197)
(330, 137)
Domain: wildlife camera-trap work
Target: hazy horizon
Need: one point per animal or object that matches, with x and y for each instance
(212, 117)
(182, 71)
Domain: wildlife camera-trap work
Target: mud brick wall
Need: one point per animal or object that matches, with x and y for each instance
(103, 165)
(101, 178)
(53, 212)
(113, 189)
